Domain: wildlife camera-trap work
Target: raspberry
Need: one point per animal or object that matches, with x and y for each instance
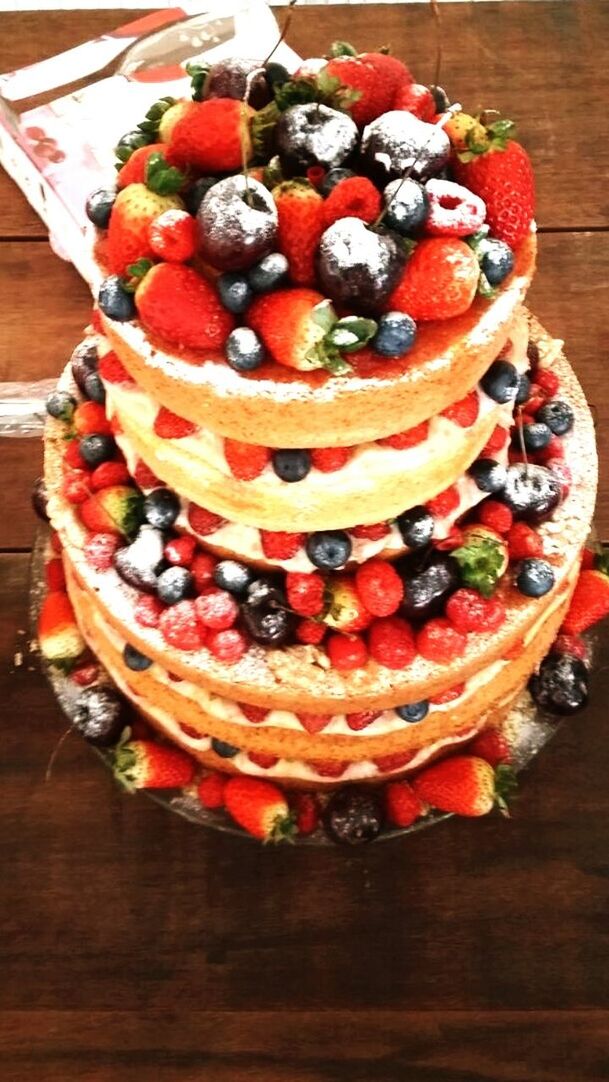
(310, 632)
(548, 381)
(306, 810)
(453, 540)
(562, 473)
(326, 768)
(464, 412)
(109, 473)
(469, 611)
(370, 533)
(355, 197)
(203, 521)
(245, 460)
(496, 515)
(112, 370)
(277, 545)
(330, 459)
(179, 626)
(588, 559)
(380, 587)
(439, 641)
(217, 609)
(255, 714)
(99, 550)
(72, 456)
(496, 441)
(410, 438)
(444, 503)
(554, 449)
(210, 790)
(492, 746)
(537, 397)
(391, 642)
(523, 541)
(54, 574)
(173, 236)
(90, 417)
(144, 477)
(202, 570)
(402, 805)
(228, 645)
(75, 486)
(148, 611)
(169, 426)
(386, 764)
(415, 98)
(305, 592)
(261, 760)
(180, 550)
(448, 696)
(346, 652)
(360, 721)
(85, 675)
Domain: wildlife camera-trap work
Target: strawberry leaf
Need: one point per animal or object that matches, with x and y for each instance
(262, 129)
(135, 272)
(323, 315)
(342, 48)
(481, 562)
(351, 333)
(323, 88)
(162, 178)
(506, 785)
(198, 74)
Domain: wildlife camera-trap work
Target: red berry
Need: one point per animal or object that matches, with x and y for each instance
(255, 714)
(217, 609)
(306, 810)
(572, 644)
(246, 460)
(330, 459)
(439, 641)
(72, 456)
(261, 760)
(310, 632)
(278, 545)
(305, 592)
(496, 515)
(496, 441)
(180, 627)
(375, 94)
(354, 197)
(360, 721)
(54, 574)
(380, 587)
(410, 438)
(314, 723)
(464, 412)
(492, 746)
(180, 550)
(387, 764)
(447, 696)
(537, 397)
(75, 486)
(346, 652)
(391, 642)
(328, 768)
(96, 321)
(169, 426)
(523, 541)
(228, 645)
(470, 611)
(148, 611)
(402, 805)
(444, 503)
(202, 570)
(588, 559)
(210, 790)
(90, 418)
(109, 473)
(370, 533)
(144, 477)
(415, 98)
(202, 521)
(112, 370)
(547, 380)
(85, 675)
(453, 540)
(554, 449)
(173, 236)
(99, 550)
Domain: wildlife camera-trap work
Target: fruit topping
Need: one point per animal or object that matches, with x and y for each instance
(174, 584)
(173, 236)
(396, 334)
(265, 613)
(406, 206)
(244, 350)
(454, 211)
(246, 461)
(416, 527)
(115, 301)
(313, 134)
(237, 223)
(99, 715)
(139, 563)
(176, 303)
(353, 816)
(291, 465)
(464, 785)
(328, 549)
(531, 492)
(439, 281)
(534, 577)
(357, 266)
(380, 587)
(143, 764)
(391, 642)
(489, 475)
(398, 141)
(413, 712)
(270, 273)
(300, 210)
(135, 660)
(561, 685)
(557, 416)
(260, 808)
(499, 170)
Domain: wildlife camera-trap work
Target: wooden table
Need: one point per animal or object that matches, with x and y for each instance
(137, 946)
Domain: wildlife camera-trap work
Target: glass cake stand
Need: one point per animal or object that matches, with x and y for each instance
(529, 730)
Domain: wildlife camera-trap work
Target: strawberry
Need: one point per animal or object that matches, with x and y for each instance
(463, 128)
(502, 175)
(439, 280)
(262, 760)
(415, 98)
(380, 587)
(173, 236)
(202, 521)
(210, 790)
(388, 764)
(411, 437)
(306, 811)
(277, 545)
(142, 764)
(346, 652)
(391, 642)
(497, 516)
(464, 785)
(176, 303)
(134, 169)
(330, 459)
(374, 532)
(246, 461)
(90, 418)
(292, 326)
(144, 477)
(54, 574)
(346, 609)
(311, 632)
(116, 510)
(492, 746)
(523, 541)
(134, 209)
(589, 603)
(169, 426)
(255, 714)
(439, 641)
(354, 197)
(470, 611)
(72, 456)
(548, 380)
(402, 805)
(588, 559)
(356, 73)
(59, 638)
(465, 411)
(107, 474)
(112, 370)
(260, 808)
(497, 440)
(212, 136)
(300, 211)
(389, 69)
(328, 768)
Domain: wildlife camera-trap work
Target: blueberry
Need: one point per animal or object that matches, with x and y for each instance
(524, 389)
(174, 584)
(531, 492)
(334, 177)
(501, 382)
(534, 577)
(134, 660)
(291, 465)
(497, 262)
(489, 475)
(84, 361)
(396, 334)
(535, 435)
(232, 576)
(407, 205)
(558, 416)
(114, 300)
(266, 615)
(39, 499)
(413, 711)
(61, 405)
(161, 508)
(224, 750)
(97, 448)
(427, 585)
(244, 350)
(269, 273)
(416, 527)
(235, 292)
(353, 816)
(99, 715)
(328, 549)
(196, 192)
(139, 563)
(94, 388)
(99, 206)
(561, 685)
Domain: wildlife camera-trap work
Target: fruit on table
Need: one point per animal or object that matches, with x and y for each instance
(59, 637)
(260, 808)
(465, 785)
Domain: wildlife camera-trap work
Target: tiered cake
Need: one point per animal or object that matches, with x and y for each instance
(308, 466)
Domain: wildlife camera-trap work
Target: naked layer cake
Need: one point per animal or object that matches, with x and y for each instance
(320, 483)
